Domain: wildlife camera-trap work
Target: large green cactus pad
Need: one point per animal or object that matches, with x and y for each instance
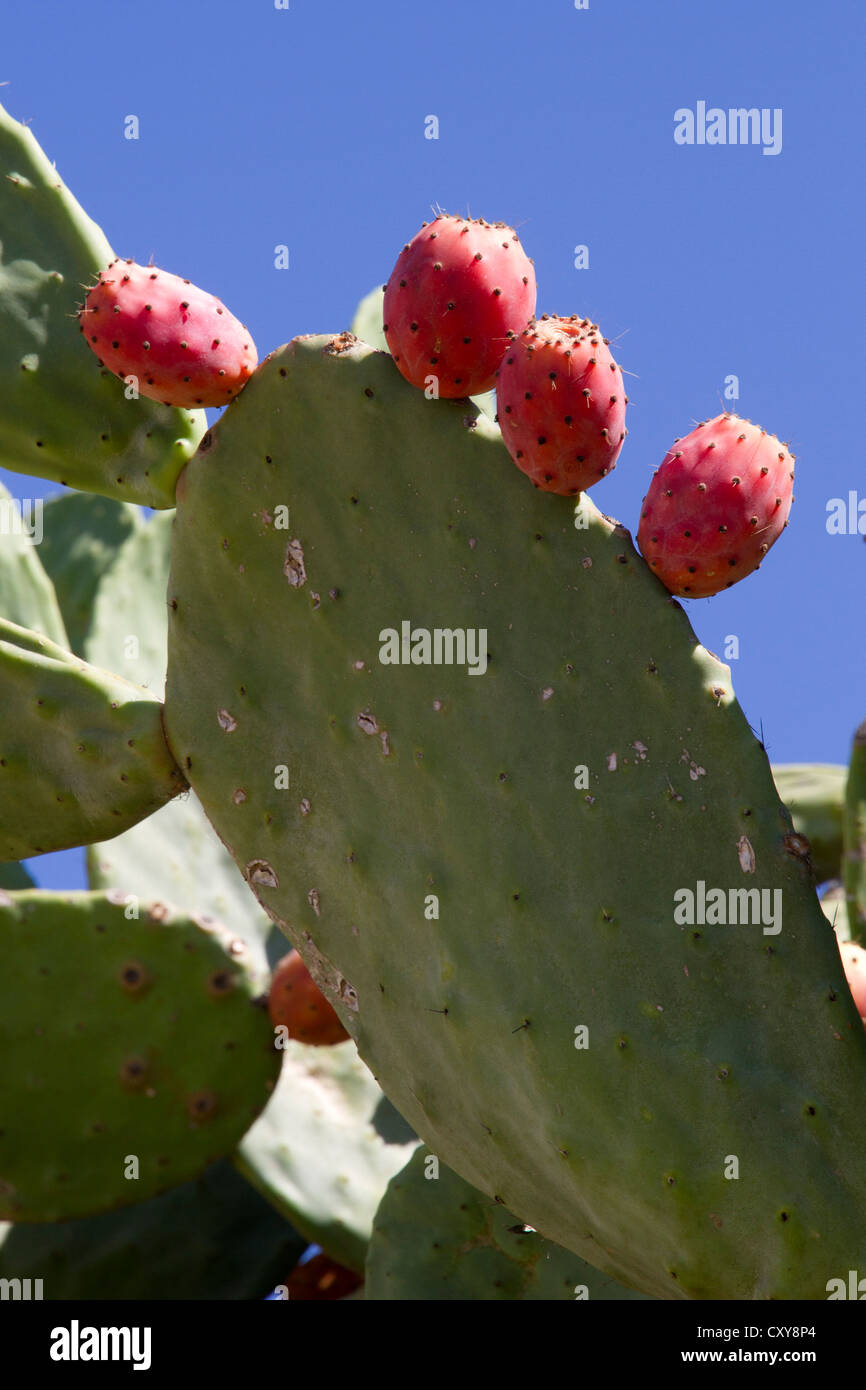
(814, 794)
(468, 897)
(82, 752)
(62, 416)
(325, 1148)
(212, 1238)
(436, 1238)
(124, 1039)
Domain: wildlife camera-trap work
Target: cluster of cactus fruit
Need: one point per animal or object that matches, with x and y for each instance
(498, 1061)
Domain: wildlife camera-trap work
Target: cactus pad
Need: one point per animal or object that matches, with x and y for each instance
(133, 1053)
(325, 1148)
(82, 753)
(482, 871)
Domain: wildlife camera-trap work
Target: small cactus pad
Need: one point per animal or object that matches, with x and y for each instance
(26, 593)
(82, 536)
(494, 847)
(134, 1053)
(174, 854)
(82, 752)
(212, 1238)
(62, 416)
(435, 1238)
(814, 794)
(325, 1148)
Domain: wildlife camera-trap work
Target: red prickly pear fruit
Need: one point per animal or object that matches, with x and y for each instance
(321, 1278)
(717, 502)
(180, 343)
(854, 963)
(296, 1003)
(462, 288)
(561, 403)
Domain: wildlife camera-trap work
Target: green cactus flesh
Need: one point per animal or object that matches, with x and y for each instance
(63, 416)
(212, 1238)
(854, 838)
(83, 755)
(83, 534)
(325, 1148)
(814, 794)
(466, 895)
(27, 595)
(134, 1053)
(435, 1238)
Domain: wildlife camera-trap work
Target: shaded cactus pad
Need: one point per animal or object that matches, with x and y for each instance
(436, 1237)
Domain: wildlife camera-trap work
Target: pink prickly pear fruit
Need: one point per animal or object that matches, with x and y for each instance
(717, 502)
(561, 404)
(854, 962)
(462, 288)
(180, 343)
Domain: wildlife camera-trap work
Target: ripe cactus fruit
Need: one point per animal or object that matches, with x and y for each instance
(717, 502)
(854, 837)
(179, 342)
(321, 1278)
(62, 417)
(296, 1003)
(461, 289)
(854, 961)
(561, 404)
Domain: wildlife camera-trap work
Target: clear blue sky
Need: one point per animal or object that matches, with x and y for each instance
(306, 126)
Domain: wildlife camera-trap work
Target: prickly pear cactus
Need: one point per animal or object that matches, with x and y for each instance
(436, 1238)
(538, 990)
(64, 417)
(134, 1054)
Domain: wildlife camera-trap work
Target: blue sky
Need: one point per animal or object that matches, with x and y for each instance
(305, 127)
